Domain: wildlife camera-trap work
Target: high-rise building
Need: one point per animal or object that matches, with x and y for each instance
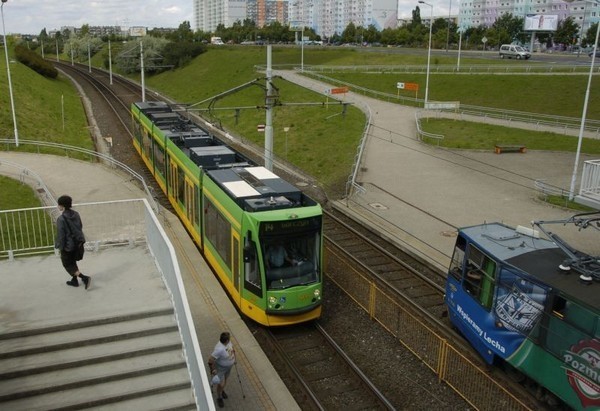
(474, 13)
(265, 12)
(328, 17)
(208, 14)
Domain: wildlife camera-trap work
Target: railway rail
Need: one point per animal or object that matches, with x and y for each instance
(326, 375)
(402, 273)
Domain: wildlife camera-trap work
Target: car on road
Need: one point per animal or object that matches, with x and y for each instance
(514, 51)
(591, 53)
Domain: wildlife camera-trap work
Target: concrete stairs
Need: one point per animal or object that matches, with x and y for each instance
(132, 361)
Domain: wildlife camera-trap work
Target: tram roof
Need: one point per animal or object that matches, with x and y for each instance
(538, 257)
(257, 189)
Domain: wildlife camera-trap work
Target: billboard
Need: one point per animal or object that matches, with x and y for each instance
(541, 22)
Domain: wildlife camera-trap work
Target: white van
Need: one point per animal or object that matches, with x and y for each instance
(513, 51)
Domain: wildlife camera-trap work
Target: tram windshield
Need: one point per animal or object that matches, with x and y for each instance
(291, 261)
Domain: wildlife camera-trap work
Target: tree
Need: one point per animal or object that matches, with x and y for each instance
(566, 32)
(507, 29)
(590, 35)
(349, 33)
(416, 16)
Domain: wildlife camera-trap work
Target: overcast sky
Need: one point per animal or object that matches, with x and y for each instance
(31, 16)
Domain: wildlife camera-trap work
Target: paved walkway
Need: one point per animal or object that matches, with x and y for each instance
(419, 194)
(260, 387)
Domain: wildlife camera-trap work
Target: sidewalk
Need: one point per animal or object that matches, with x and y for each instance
(418, 194)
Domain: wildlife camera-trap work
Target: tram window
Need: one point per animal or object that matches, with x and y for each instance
(580, 317)
(251, 274)
(480, 277)
(147, 143)
(456, 266)
(291, 261)
(218, 232)
(181, 186)
(558, 306)
(159, 160)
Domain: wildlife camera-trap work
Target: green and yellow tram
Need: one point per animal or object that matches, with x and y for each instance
(261, 235)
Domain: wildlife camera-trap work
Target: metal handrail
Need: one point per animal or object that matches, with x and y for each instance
(104, 157)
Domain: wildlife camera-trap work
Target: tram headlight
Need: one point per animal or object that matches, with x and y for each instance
(317, 293)
(272, 300)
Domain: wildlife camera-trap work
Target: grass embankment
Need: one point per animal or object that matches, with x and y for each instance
(46, 109)
(16, 195)
(318, 141)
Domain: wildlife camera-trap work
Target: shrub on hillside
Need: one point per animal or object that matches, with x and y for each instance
(35, 62)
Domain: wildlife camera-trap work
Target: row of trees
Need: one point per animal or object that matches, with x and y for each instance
(167, 49)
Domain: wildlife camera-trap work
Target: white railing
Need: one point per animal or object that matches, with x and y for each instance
(590, 181)
(39, 145)
(105, 224)
(31, 231)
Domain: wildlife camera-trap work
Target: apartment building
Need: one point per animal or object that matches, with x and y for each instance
(328, 17)
(208, 14)
(473, 13)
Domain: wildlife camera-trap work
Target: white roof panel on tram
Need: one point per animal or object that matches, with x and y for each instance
(241, 189)
(261, 173)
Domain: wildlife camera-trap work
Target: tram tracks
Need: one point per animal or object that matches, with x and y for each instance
(391, 267)
(327, 376)
(406, 276)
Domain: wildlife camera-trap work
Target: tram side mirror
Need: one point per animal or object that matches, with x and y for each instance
(249, 255)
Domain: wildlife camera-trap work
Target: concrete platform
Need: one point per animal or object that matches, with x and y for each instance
(33, 290)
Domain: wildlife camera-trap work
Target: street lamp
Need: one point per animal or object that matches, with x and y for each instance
(428, 51)
(12, 100)
(585, 104)
(448, 28)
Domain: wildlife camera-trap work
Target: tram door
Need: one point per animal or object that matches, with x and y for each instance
(173, 184)
(235, 263)
(191, 208)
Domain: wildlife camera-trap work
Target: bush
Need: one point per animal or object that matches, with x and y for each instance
(35, 62)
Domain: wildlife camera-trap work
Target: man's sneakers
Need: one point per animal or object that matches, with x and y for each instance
(225, 396)
(73, 282)
(87, 281)
(220, 402)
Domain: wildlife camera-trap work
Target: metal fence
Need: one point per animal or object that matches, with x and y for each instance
(32, 231)
(453, 68)
(468, 379)
(539, 121)
(106, 224)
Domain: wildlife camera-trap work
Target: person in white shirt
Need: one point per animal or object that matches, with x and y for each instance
(220, 363)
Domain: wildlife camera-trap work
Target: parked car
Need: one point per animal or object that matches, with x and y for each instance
(513, 51)
(592, 52)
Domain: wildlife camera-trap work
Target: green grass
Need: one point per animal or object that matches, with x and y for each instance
(481, 136)
(320, 140)
(21, 195)
(559, 95)
(18, 230)
(42, 106)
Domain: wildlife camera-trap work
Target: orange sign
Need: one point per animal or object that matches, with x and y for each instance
(411, 86)
(339, 90)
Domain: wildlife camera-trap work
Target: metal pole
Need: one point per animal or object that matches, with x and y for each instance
(109, 63)
(583, 115)
(269, 116)
(10, 90)
(428, 52)
(459, 46)
(89, 59)
(448, 32)
(56, 38)
(302, 50)
(142, 71)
